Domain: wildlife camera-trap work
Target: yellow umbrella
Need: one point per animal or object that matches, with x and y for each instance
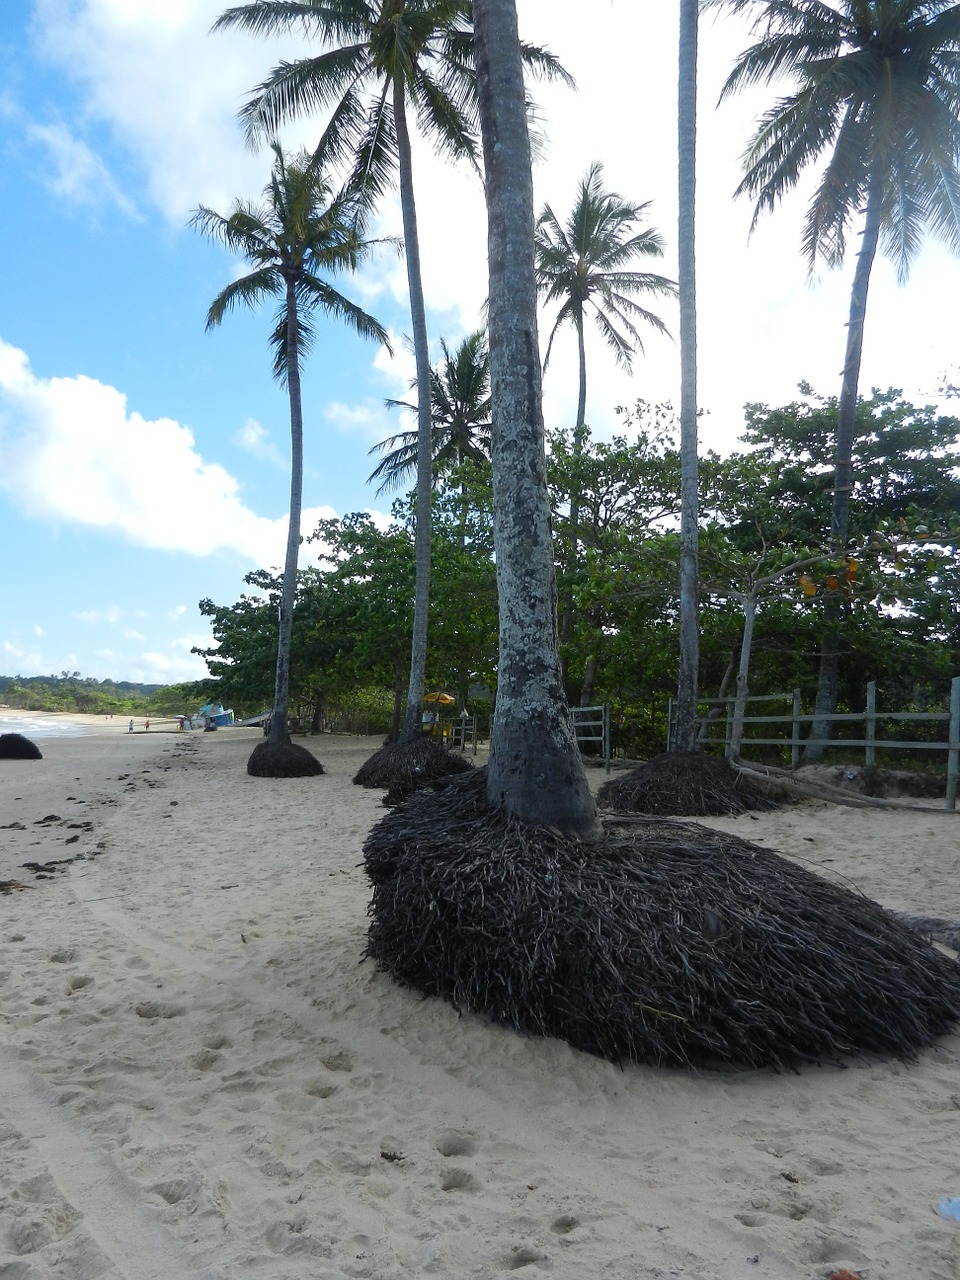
(445, 699)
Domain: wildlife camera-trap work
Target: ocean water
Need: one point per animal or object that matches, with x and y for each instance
(41, 727)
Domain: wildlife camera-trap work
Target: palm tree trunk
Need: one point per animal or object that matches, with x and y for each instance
(535, 771)
(418, 321)
(279, 732)
(829, 677)
(686, 735)
(573, 556)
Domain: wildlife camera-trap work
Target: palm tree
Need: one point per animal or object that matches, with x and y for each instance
(460, 409)
(877, 103)
(584, 265)
(686, 724)
(535, 772)
(378, 57)
(298, 235)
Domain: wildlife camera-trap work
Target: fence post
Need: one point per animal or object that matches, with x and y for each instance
(795, 732)
(870, 756)
(953, 750)
(670, 723)
(606, 735)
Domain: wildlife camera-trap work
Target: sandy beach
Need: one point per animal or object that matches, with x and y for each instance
(199, 1078)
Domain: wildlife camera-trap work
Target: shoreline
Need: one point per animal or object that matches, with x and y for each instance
(199, 1077)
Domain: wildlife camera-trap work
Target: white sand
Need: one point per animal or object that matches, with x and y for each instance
(199, 1079)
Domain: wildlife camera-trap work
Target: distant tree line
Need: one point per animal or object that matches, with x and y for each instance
(769, 575)
(71, 692)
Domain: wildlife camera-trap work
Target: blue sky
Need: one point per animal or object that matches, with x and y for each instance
(143, 462)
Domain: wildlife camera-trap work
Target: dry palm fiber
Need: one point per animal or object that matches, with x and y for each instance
(283, 760)
(660, 942)
(405, 767)
(14, 746)
(688, 784)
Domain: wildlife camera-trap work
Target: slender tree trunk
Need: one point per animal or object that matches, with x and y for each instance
(398, 676)
(740, 701)
(573, 556)
(686, 735)
(418, 321)
(279, 732)
(316, 721)
(589, 680)
(829, 677)
(535, 771)
(703, 733)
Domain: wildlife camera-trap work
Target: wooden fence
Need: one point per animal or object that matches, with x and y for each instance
(792, 723)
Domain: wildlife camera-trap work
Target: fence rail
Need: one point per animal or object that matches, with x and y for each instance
(591, 726)
(870, 718)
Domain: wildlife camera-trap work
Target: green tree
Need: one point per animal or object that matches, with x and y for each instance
(460, 409)
(297, 236)
(379, 57)
(877, 104)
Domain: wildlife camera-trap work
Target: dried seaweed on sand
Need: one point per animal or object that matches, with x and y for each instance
(661, 942)
(14, 746)
(405, 767)
(687, 784)
(283, 760)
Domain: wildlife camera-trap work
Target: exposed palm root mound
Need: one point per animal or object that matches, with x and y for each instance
(660, 942)
(688, 784)
(283, 760)
(14, 746)
(405, 767)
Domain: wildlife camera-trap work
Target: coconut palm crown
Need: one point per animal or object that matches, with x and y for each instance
(460, 405)
(583, 264)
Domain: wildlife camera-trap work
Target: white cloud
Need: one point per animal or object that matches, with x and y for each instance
(177, 612)
(370, 419)
(175, 665)
(99, 617)
(255, 439)
(133, 635)
(79, 175)
(168, 91)
(72, 452)
(39, 631)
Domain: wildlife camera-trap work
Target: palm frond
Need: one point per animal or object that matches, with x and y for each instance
(301, 88)
(248, 291)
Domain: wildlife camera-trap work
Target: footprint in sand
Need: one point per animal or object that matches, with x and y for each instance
(77, 983)
(451, 1143)
(563, 1225)
(157, 1009)
(458, 1180)
(339, 1060)
(523, 1256)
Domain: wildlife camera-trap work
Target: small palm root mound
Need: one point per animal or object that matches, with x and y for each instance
(405, 767)
(687, 784)
(14, 746)
(283, 760)
(660, 942)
